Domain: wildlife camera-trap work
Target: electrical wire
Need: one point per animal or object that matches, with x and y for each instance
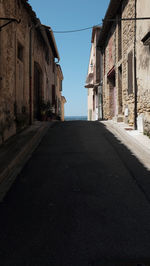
(104, 20)
(77, 30)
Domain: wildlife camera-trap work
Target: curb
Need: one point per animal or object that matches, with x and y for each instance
(9, 175)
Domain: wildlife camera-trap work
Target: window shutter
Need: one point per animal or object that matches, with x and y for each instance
(130, 72)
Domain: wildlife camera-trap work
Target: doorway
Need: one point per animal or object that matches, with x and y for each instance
(112, 94)
(37, 90)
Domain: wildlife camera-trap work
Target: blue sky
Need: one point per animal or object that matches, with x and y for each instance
(74, 48)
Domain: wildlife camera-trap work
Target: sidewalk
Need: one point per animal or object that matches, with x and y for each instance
(136, 142)
(16, 151)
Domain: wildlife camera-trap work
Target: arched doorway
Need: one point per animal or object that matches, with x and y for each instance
(111, 79)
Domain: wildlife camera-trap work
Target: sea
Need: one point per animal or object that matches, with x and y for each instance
(73, 118)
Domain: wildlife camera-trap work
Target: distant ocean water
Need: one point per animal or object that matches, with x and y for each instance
(72, 118)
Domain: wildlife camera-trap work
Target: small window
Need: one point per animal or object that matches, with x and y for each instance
(20, 52)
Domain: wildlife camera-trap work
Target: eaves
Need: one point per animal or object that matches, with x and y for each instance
(47, 33)
(52, 42)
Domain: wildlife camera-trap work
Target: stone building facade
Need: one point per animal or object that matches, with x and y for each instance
(59, 81)
(63, 101)
(120, 43)
(143, 66)
(94, 77)
(27, 67)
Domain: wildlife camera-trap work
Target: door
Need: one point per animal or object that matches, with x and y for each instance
(112, 95)
(37, 90)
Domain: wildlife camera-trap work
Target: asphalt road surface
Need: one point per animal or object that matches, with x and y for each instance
(82, 199)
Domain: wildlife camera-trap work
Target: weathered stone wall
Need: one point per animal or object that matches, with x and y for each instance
(127, 46)
(117, 57)
(22, 39)
(97, 55)
(109, 60)
(43, 55)
(59, 79)
(143, 65)
(7, 73)
(16, 101)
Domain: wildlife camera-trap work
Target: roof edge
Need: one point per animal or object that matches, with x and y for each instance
(110, 14)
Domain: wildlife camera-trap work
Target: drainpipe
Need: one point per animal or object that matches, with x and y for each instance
(135, 70)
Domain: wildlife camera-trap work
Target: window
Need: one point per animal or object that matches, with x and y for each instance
(20, 52)
(130, 73)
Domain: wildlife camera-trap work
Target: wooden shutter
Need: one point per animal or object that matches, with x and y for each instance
(130, 72)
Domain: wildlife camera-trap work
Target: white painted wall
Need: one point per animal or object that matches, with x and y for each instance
(92, 114)
(90, 104)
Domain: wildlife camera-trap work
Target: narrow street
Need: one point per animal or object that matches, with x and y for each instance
(82, 199)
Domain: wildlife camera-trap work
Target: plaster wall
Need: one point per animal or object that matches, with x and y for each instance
(94, 75)
(91, 68)
(109, 60)
(90, 104)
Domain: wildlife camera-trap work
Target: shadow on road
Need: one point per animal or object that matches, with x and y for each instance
(138, 171)
(83, 199)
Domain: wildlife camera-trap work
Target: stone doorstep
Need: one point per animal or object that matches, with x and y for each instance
(8, 176)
